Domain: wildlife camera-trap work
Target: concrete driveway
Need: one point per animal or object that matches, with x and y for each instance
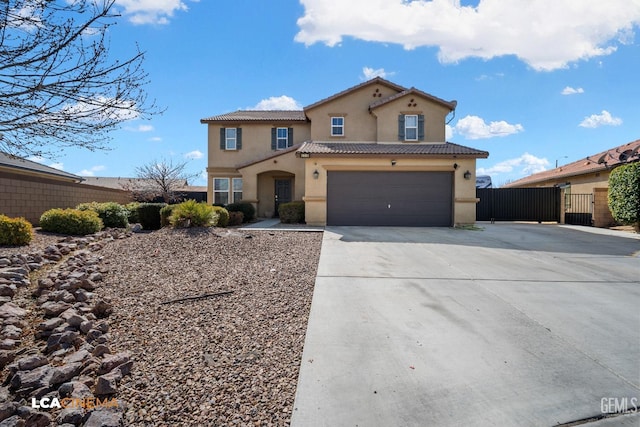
(513, 325)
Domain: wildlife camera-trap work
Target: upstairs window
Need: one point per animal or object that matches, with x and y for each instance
(281, 138)
(411, 127)
(230, 139)
(337, 126)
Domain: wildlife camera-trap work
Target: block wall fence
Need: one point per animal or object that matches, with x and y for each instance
(29, 196)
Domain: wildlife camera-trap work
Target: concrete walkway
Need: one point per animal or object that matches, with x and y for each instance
(514, 325)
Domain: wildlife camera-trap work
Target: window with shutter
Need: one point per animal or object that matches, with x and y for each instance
(282, 138)
(229, 138)
(289, 137)
(420, 127)
(401, 127)
(410, 127)
(274, 142)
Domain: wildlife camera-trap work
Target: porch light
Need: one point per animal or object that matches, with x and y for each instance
(316, 174)
(467, 175)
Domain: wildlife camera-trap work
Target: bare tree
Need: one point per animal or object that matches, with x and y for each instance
(59, 87)
(161, 179)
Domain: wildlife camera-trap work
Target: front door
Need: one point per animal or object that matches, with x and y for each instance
(282, 192)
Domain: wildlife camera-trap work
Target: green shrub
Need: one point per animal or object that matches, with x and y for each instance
(624, 194)
(71, 221)
(235, 218)
(193, 214)
(15, 231)
(149, 215)
(246, 208)
(132, 208)
(223, 216)
(165, 214)
(292, 212)
(112, 214)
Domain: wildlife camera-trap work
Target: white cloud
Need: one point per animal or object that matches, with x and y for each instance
(603, 119)
(113, 109)
(474, 127)
(151, 11)
(526, 164)
(369, 73)
(571, 91)
(195, 154)
(140, 128)
(46, 162)
(92, 171)
(155, 139)
(283, 102)
(546, 34)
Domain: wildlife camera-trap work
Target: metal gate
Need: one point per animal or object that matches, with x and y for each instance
(518, 204)
(578, 209)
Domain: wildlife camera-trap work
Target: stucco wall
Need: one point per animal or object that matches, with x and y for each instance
(359, 124)
(29, 196)
(464, 208)
(256, 142)
(434, 118)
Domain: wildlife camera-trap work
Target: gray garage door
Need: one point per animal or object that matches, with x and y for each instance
(413, 199)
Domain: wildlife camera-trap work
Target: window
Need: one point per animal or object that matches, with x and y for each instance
(282, 138)
(237, 189)
(410, 127)
(230, 139)
(221, 191)
(337, 126)
(224, 194)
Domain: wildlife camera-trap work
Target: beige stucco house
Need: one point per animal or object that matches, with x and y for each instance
(373, 154)
(587, 176)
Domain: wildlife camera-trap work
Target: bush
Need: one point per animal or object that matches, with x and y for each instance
(149, 215)
(112, 214)
(292, 212)
(247, 210)
(624, 194)
(71, 221)
(193, 214)
(132, 208)
(235, 218)
(165, 213)
(15, 231)
(223, 216)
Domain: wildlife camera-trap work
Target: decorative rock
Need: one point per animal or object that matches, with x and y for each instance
(6, 357)
(50, 324)
(12, 332)
(71, 415)
(86, 326)
(111, 362)
(7, 409)
(9, 344)
(31, 362)
(93, 335)
(102, 326)
(11, 310)
(100, 350)
(102, 309)
(105, 418)
(81, 295)
(38, 419)
(4, 262)
(62, 374)
(31, 380)
(108, 383)
(52, 309)
(96, 277)
(13, 421)
(7, 290)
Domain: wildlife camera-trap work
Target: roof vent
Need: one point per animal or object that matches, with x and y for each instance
(602, 158)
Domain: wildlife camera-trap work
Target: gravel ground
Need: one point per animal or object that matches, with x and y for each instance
(216, 361)
(39, 241)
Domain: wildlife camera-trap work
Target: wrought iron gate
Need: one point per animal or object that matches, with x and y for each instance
(578, 209)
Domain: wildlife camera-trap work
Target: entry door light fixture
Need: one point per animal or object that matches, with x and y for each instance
(316, 174)
(467, 175)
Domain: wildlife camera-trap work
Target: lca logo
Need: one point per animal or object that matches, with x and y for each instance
(68, 402)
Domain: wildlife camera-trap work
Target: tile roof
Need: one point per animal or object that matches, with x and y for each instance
(379, 80)
(15, 162)
(259, 116)
(605, 160)
(272, 155)
(375, 148)
(449, 104)
(123, 183)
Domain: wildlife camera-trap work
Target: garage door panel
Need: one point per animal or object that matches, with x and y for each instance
(389, 198)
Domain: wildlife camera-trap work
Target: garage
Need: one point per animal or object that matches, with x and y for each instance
(410, 199)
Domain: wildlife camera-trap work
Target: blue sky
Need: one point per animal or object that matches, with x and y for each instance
(536, 81)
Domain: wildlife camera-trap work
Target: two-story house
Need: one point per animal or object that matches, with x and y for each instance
(374, 154)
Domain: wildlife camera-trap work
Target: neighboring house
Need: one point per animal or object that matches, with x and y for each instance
(27, 189)
(144, 189)
(587, 177)
(374, 154)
